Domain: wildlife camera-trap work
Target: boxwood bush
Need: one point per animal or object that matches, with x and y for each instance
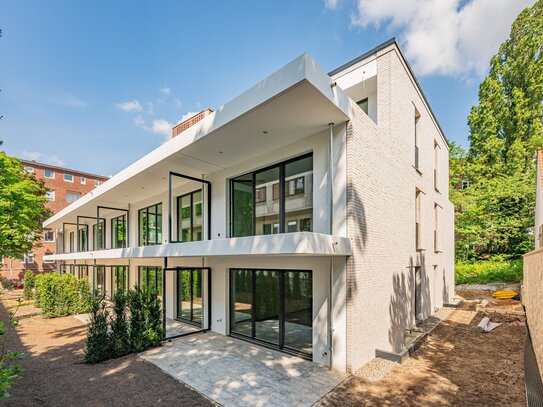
(59, 296)
(488, 271)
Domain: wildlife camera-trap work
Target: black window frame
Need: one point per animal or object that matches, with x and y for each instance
(282, 195)
(159, 225)
(282, 312)
(192, 215)
(95, 279)
(362, 101)
(114, 234)
(100, 229)
(114, 272)
(157, 279)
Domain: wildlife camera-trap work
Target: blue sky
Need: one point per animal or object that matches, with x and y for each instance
(94, 85)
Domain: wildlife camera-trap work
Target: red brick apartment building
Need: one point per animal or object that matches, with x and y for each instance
(66, 186)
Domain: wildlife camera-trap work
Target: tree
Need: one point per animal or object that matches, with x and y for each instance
(495, 214)
(22, 208)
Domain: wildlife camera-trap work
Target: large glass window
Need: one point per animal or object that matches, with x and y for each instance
(277, 199)
(99, 239)
(274, 306)
(100, 279)
(150, 225)
(150, 278)
(189, 295)
(118, 278)
(118, 232)
(83, 242)
(189, 217)
(81, 271)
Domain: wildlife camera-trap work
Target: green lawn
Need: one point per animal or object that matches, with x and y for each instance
(487, 271)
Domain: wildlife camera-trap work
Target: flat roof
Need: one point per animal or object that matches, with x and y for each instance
(57, 168)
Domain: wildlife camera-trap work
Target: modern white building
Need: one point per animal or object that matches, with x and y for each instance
(309, 214)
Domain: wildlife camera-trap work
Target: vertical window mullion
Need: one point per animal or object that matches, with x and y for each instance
(281, 309)
(282, 198)
(254, 204)
(191, 203)
(253, 303)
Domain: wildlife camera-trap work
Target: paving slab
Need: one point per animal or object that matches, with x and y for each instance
(233, 372)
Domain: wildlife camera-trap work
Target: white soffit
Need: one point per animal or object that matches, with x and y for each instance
(357, 75)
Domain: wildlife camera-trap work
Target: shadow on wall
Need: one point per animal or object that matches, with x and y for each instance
(446, 292)
(410, 301)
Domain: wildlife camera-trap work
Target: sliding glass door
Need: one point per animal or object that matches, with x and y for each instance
(189, 295)
(273, 306)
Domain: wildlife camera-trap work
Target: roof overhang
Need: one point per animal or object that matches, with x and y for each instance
(287, 244)
(295, 102)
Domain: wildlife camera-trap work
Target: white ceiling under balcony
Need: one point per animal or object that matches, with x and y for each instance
(297, 101)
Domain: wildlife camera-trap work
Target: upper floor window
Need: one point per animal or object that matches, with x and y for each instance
(30, 170)
(437, 231)
(96, 182)
(417, 138)
(118, 232)
(418, 219)
(363, 104)
(150, 225)
(83, 241)
(189, 217)
(436, 165)
(68, 178)
(277, 199)
(50, 195)
(29, 258)
(83, 180)
(71, 197)
(49, 174)
(98, 236)
(48, 236)
(465, 184)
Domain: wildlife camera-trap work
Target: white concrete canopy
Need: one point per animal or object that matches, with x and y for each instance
(296, 101)
(287, 244)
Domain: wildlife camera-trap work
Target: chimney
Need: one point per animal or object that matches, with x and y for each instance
(191, 121)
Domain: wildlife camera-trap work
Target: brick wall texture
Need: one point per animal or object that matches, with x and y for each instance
(532, 297)
(13, 269)
(382, 183)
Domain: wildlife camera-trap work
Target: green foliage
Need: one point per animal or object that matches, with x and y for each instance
(136, 325)
(495, 214)
(487, 271)
(22, 208)
(29, 283)
(59, 296)
(98, 346)
(9, 372)
(119, 338)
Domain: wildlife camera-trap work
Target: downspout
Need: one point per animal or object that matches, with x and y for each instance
(331, 218)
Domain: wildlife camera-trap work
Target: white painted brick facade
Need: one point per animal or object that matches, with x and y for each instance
(382, 181)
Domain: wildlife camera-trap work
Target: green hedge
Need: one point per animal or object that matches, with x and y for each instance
(488, 271)
(59, 296)
(130, 322)
(29, 282)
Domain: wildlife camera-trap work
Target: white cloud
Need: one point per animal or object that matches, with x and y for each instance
(331, 4)
(165, 90)
(161, 127)
(131, 106)
(45, 158)
(139, 120)
(447, 37)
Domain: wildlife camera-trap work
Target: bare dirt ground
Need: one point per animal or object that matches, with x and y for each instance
(55, 375)
(502, 304)
(456, 366)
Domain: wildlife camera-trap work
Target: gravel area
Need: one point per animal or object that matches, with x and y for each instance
(55, 375)
(375, 370)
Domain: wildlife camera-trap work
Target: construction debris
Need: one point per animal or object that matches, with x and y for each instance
(486, 325)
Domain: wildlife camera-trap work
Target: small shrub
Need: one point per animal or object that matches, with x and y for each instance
(29, 282)
(136, 306)
(98, 346)
(9, 371)
(60, 296)
(119, 336)
(155, 332)
(488, 271)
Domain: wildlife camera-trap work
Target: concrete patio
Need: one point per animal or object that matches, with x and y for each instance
(237, 373)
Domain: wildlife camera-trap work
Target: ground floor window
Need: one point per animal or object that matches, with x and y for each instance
(189, 295)
(81, 271)
(150, 278)
(119, 279)
(273, 306)
(99, 281)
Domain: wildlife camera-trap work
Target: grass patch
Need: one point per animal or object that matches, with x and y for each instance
(488, 271)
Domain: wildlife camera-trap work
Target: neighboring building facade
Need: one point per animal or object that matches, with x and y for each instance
(309, 214)
(66, 187)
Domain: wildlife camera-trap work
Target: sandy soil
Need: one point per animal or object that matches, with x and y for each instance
(456, 366)
(55, 374)
(503, 304)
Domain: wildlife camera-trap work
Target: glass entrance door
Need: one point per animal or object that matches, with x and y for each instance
(189, 295)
